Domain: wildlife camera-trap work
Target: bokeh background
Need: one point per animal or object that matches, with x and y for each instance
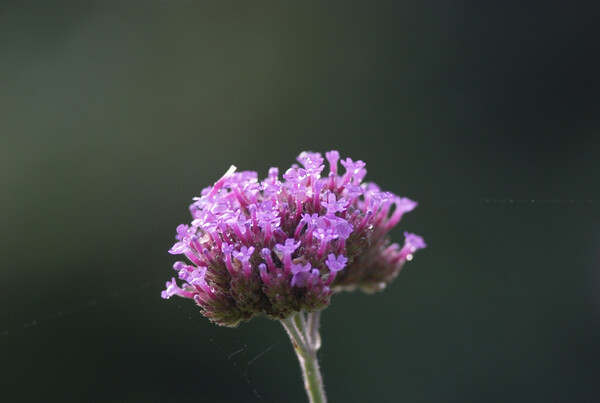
(113, 115)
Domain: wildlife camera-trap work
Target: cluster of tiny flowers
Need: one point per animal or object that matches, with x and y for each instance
(284, 245)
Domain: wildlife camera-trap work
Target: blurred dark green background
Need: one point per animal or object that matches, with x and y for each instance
(113, 115)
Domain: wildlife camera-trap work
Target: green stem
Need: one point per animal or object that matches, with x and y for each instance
(313, 329)
(304, 334)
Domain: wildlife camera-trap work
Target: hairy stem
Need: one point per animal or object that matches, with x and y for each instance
(304, 334)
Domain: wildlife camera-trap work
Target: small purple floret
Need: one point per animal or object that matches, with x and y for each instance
(414, 242)
(336, 264)
(300, 274)
(289, 247)
(333, 205)
(244, 254)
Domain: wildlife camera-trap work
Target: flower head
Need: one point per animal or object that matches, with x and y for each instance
(281, 246)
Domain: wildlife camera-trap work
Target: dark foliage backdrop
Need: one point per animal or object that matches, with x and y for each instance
(113, 115)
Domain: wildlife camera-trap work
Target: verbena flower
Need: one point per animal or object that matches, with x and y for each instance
(284, 245)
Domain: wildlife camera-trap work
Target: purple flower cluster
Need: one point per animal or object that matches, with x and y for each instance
(284, 245)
